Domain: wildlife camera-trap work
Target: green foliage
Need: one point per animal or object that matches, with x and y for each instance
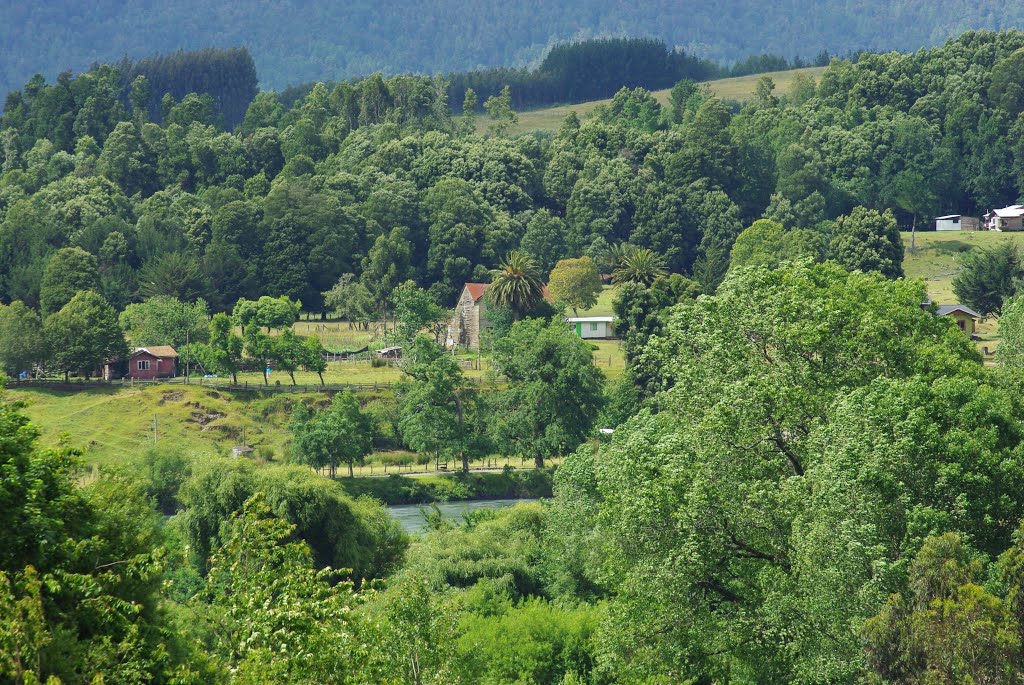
(516, 284)
(499, 109)
(868, 241)
(79, 570)
(164, 320)
(84, 334)
(767, 243)
(22, 343)
(951, 631)
(416, 310)
(224, 352)
(988, 278)
(639, 265)
(575, 283)
(351, 300)
(395, 489)
(726, 507)
(278, 619)
(554, 391)
(440, 413)
(343, 533)
(68, 272)
(337, 434)
(551, 644)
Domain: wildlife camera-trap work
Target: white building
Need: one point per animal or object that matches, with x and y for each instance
(592, 326)
(1006, 219)
(956, 222)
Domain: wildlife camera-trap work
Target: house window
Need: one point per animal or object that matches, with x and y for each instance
(143, 365)
(962, 325)
(593, 325)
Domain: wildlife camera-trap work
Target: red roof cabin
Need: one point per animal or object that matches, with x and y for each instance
(145, 363)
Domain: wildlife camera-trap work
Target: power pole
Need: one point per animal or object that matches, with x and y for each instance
(155, 434)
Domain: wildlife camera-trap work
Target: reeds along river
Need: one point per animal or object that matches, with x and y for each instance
(413, 520)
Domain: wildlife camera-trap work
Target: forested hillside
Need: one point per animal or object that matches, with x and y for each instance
(297, 42)
(378, 180)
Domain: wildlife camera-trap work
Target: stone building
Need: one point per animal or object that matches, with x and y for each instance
(470, 317)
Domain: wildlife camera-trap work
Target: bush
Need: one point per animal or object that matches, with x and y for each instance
(342, 532)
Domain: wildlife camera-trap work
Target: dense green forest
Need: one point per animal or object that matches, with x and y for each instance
(378, 180)
(811, 478)
(296, 42)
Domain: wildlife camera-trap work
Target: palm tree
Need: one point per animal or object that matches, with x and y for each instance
(639, 265)
(515, 284)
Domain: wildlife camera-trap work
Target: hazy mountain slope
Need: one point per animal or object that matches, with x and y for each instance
(301, 40)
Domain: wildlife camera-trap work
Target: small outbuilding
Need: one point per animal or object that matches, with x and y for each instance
(597, 327)
(965, 317)
(957, 222)
(390, 353)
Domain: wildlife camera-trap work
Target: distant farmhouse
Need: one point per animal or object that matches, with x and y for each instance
(1006, 219)
(965, 317)
(469, 320)
(145, 363)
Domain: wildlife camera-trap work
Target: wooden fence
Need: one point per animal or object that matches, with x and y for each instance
(214, 383)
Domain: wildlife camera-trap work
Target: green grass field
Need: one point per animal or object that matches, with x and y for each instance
(739, 88)
(937, 260)
(113, 424)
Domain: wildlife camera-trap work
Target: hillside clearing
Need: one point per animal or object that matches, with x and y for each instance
(739, 88)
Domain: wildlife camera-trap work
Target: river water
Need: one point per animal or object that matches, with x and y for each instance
(410, 516)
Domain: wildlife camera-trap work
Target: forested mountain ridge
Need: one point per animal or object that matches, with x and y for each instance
(294, 41)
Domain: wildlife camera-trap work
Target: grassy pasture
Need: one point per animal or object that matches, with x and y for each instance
(739, 88)
(937, 261)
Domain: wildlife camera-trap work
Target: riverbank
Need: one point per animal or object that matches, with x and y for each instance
(450, 487)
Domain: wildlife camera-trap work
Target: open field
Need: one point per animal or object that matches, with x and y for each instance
(114, 426)
(739, 88)
(111, 425)
(937, 260)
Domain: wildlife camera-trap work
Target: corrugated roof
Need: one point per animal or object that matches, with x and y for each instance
(157, 351)
(945, 309)
(477, 290)
(1010, 212)
(590, 319)
(948, 216)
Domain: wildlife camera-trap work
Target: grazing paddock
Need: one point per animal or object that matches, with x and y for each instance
(739, 88)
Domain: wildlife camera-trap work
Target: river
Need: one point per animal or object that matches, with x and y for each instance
(410, 516)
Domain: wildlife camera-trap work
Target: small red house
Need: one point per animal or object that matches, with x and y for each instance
(145, 363)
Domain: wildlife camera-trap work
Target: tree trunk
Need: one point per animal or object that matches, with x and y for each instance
(266, 378)
(234, 378)
(320, 373)
(458, 413)
(351, 471)
(538, 461)
(292, 374)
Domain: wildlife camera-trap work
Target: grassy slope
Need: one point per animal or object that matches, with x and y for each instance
(740, 88)
(937, 261)
(112, 424)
